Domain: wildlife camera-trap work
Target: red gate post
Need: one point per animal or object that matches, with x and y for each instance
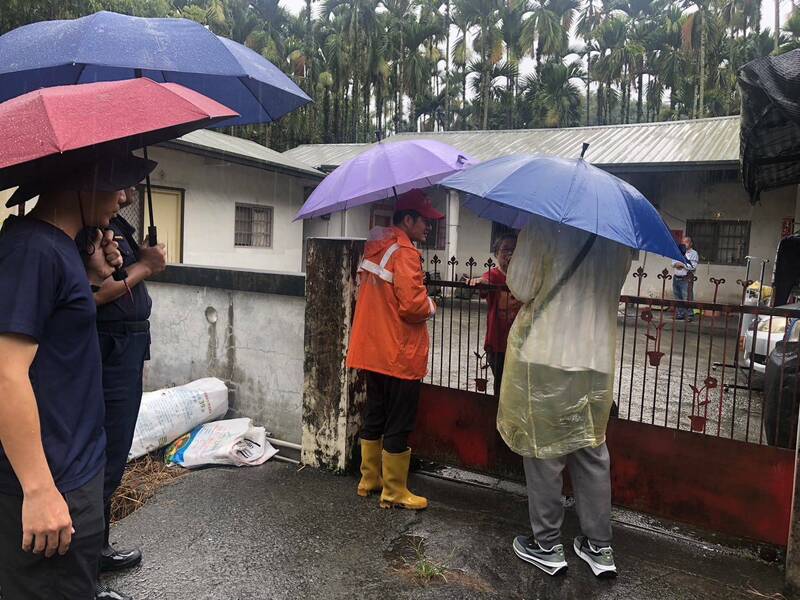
(792, 574)
(332, 394)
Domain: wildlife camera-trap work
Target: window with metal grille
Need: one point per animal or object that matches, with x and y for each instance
(720, 242)
(253, 226)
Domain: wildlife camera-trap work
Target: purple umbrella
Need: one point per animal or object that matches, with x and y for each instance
(384, 171)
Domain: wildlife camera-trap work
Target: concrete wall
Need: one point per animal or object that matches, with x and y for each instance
(253, 341)
(212, 188)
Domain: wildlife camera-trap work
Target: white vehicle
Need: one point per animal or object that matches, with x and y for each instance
(768, 332)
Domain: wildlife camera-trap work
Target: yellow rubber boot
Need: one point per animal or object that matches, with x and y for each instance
(370, 467)
(395, 482)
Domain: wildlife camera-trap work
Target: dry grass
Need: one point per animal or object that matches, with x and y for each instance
(142, 479)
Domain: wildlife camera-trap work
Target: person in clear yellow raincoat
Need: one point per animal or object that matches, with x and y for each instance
(557, 386)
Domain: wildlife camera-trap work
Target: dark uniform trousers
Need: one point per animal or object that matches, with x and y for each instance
(391, 410)
(124, 346)
(28, 576)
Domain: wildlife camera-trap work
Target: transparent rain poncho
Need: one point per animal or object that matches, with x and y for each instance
(556, 393)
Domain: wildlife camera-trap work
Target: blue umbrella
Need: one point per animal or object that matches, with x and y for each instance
(512, 189)
(107, 46)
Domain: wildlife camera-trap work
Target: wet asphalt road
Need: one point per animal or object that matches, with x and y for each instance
(272, 532)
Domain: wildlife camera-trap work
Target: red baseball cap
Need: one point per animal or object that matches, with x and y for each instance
(417, 201)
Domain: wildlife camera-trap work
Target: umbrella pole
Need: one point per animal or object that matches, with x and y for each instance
(152, 233)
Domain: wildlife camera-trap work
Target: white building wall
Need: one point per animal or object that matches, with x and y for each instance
(212, 189)
(4, 212)
(681, 199)
(475, 240)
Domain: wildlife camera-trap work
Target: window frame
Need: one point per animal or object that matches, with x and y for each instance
(270, 233)
(714, 256)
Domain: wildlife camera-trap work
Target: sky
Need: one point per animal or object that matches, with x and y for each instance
(767, 16)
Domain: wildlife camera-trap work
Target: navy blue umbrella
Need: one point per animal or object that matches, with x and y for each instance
(513, 189)
(107, 46)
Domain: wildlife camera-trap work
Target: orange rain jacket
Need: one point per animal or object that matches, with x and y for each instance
(389, 334)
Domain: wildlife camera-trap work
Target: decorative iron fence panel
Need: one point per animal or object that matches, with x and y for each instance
(726, 370)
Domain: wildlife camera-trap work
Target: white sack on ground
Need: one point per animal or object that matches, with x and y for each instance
(167, 414)
(233, 442)
(556, 393)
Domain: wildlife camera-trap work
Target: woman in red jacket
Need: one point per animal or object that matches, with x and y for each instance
(502, 307)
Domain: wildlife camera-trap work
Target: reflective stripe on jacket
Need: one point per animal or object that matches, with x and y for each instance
(390, 333)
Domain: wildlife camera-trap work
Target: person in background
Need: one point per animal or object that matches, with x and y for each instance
(123, 310)
(389, 342)
(681, 275)
(52, 411)
(502, 307)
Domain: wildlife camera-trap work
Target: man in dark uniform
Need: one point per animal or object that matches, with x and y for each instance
(123, 310)
(52, 442)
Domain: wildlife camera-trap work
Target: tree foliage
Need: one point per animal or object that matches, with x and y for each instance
(399, 65)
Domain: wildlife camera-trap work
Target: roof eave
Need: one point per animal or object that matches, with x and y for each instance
(714, 165)
(201, 150)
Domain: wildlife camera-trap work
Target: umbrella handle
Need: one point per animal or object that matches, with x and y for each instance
(120, 274)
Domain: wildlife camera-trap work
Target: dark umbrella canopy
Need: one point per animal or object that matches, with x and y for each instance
(770, 144)
(108, 46)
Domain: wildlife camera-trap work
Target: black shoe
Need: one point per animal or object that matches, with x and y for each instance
(103, 592)
(116, 560)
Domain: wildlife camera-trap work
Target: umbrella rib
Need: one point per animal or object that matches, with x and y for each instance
(569, 191)
(80, 73)
(261, 104)
(50, 125)
(391, 171)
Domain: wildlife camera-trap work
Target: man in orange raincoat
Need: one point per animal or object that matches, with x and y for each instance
(390, 343)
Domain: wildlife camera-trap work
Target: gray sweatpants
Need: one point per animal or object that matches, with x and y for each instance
(589, 470)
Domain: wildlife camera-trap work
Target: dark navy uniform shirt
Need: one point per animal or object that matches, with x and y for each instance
(134, 306)
(45, 295)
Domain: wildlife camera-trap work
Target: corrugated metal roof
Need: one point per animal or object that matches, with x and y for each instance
(713, 141)
(230, 147)
(325, 156)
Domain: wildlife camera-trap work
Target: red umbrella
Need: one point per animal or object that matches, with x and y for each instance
(56, 126)
(49, 131)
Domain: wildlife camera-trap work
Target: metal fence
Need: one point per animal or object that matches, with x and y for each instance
(726, 370)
